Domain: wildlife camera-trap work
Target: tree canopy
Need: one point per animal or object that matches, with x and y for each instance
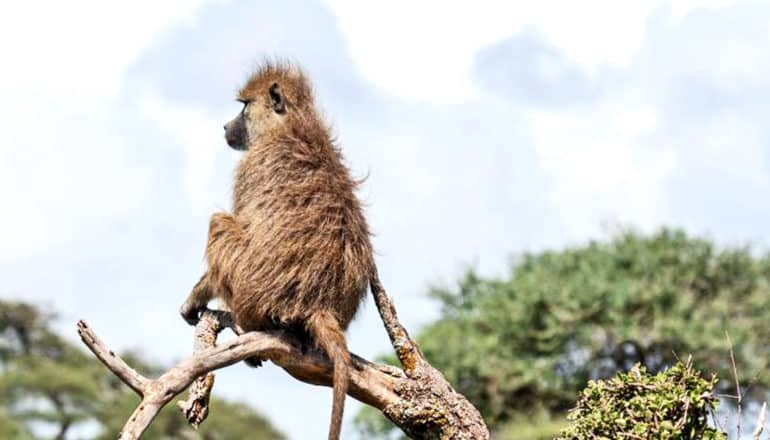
(522, 346)
(50, 388)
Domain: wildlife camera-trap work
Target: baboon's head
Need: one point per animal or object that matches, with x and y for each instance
(274, 97)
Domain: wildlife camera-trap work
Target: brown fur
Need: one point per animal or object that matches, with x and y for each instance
(296, 249)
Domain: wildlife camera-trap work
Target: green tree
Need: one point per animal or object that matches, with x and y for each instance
(11, 429)
(525, 344)
(45, 380)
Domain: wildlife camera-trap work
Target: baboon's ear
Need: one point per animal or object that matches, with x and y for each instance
(276, 97)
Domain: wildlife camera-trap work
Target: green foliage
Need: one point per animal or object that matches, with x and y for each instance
(11, 429)
(370, 423)
(46, 380)
(533, 425)
(226, 421)
(536, 336)
(237, 421)
(674, 404)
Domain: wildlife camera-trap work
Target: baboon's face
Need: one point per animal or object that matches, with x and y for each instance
(259, 114)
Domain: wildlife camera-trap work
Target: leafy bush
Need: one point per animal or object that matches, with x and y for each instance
(674, 404)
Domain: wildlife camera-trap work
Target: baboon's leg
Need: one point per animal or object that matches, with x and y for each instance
(225, 244)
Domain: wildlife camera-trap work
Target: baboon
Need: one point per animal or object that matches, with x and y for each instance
(296, 251)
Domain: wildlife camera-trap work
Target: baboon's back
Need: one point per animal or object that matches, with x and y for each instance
(309, 248)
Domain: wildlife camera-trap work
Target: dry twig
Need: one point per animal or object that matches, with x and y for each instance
(760, 422)
(739, 396)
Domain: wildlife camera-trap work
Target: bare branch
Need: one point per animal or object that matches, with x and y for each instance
(739, 399)
(196, 407)
(118, 366)
(407, 350)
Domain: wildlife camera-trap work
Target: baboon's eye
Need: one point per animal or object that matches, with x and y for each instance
(245, 103)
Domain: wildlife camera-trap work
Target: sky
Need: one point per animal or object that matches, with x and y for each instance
(486, 130)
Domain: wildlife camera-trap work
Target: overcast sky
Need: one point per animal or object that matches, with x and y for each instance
(486, 130)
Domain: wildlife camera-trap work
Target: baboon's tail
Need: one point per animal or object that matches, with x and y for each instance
(326, 331)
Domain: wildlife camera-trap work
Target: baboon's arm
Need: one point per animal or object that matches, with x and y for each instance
(225, 241)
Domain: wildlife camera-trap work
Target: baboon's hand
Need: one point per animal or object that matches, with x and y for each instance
(190, 312)
(253, 362)
(197, 300)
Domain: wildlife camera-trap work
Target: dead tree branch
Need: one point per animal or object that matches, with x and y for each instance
(417, 399)
(196, 407)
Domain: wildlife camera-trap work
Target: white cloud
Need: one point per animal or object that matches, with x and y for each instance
(600, 167)
(196, 141)
(63, 65)
(61, 50)
(56, 173)
(664, 139)
(424, 50)
(680, 8)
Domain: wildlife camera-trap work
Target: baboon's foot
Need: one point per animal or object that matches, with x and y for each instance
(254, 362)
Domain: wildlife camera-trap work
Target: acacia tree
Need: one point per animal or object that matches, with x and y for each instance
(44, 380)
(522, 346)
(47, 382)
